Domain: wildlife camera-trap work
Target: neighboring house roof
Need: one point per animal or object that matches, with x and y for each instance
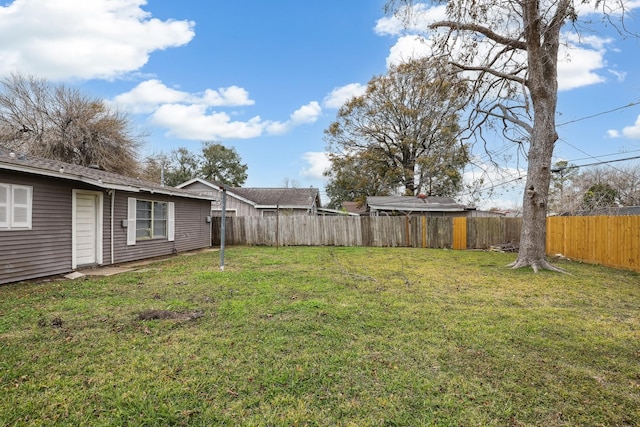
(352, 207)
(281, 197)
(98, 178)
(335, 212)
(262, 198)
(414, 204)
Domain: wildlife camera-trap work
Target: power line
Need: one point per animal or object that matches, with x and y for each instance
(598, 156)
(594, 164)
(632, 104)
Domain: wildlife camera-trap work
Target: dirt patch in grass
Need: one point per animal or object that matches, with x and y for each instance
(168, 315)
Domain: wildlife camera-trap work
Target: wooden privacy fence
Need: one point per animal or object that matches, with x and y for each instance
(613, 241)
(608, 240)
(417, 232)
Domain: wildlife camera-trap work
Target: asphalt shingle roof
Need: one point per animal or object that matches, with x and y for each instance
(55, 168)
(303, 197)
(407, 203)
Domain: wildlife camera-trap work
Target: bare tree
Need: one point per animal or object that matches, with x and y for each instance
(597, 187)
(154, 167)
(58, 122)
(562, 188)
(509, 51)
(290, 183)
(626, 181)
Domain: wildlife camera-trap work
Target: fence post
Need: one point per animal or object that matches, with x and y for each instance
(407, 228)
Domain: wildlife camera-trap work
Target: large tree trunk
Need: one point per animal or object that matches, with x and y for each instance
(542, 81)
(536, 195)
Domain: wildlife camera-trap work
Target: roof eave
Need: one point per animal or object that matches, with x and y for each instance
(284, 207)
(415, 209)
(99, 183)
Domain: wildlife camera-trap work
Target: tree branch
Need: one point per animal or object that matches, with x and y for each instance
(508, 117)
(458, 26)
(491, 71)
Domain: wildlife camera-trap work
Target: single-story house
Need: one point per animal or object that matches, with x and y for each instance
(56, 217)
(429, 206)
(257, 201)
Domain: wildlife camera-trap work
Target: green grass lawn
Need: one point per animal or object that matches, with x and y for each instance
(325, 336)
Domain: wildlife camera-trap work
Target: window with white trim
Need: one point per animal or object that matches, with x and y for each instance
(15, 207)
(151, 220)
(148, 219)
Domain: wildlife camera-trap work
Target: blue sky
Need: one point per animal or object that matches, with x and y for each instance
(267, 77)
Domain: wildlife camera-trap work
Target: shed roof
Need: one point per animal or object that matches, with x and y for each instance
(414, 204)
(9, 160)
(354, 208)
(283, 197)
(300, 198)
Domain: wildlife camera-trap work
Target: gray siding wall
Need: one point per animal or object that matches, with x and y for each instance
(191, 229)
(46, 248)
(241, 208)
(200, 187)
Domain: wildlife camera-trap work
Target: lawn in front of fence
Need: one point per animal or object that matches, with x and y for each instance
(324, 336)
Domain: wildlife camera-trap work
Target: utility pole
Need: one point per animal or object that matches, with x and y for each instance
(222, 225)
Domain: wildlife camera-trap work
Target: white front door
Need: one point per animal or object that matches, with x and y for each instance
(86, 228)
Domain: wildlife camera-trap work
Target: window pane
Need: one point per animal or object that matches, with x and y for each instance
(143, 209)
(4, 194)
(159, 210)
(3, 215)
(20, 214)
(159, 228)
(143, 228)
(143, 233)
(20, 196)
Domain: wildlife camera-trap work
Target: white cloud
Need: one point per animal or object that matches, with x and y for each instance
(318, 163)
(587, 8)
(307, 113)
(407, 48)
(196, 123)
(340, 95)
(580, 59)
(620, 76)
(631, 132)
(230, 96)
(148, 95)
(151, 94)
(304, 115)
(65, 39)
(579, 68)
(190, 116)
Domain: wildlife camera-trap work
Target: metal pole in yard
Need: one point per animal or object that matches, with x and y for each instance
(222, 225)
